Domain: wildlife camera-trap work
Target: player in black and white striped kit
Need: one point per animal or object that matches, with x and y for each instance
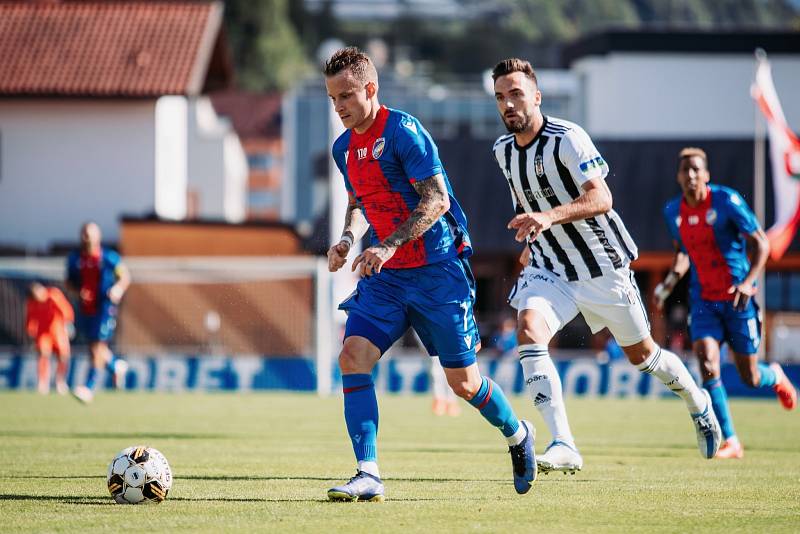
(577, 256)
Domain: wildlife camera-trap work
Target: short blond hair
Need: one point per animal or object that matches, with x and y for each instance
(691, 152)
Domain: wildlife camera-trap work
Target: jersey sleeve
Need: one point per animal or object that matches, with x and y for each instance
(740, 213)
(340, 159)
(579, 155)
(416, 150)
(670, 218)
(62, 304)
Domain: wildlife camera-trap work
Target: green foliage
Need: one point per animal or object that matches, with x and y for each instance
(266, 48)
(262, 463)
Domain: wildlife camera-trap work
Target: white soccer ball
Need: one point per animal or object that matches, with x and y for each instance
(138, 475)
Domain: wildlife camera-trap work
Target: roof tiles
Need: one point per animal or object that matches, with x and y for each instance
(121, 49)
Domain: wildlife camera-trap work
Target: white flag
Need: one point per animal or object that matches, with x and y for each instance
(785, 157)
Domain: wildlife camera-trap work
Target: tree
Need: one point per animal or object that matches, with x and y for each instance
(266, 48)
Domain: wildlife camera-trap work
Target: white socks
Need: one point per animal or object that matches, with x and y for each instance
(544, 386)
(667, 367)
(369, 467)
(517, 437)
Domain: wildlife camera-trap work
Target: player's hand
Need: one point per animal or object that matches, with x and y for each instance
(115, 294)
(371, 260)
(337, 255)
(660, 296)
(742, 293)
(530, 225)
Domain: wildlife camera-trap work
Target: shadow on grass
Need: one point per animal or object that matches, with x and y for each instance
(136, 436)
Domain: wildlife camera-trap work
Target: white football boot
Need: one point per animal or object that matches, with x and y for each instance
(709, 435)
(560, 456)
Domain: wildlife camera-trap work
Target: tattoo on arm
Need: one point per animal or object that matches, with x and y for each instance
(355, 224)
(434, 202)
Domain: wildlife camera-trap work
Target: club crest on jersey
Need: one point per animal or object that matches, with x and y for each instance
(538, 166)
(711, 217)
(377, 148)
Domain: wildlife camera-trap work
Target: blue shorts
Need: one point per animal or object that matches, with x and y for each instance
(436, 300)
(719, 320)
(99, 327)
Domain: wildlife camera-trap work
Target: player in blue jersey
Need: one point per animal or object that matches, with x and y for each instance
(415, 272)
(99, 278)
(711, 226)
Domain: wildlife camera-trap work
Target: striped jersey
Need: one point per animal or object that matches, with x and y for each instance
(548, 172)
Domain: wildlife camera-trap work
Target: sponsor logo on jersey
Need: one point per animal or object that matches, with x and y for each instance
(693, 220)
(377, 148)
(468, 340)
(539, 194)
(346, 155)
(711, 216)
(594, 163)
(409, 124)
(361, 153)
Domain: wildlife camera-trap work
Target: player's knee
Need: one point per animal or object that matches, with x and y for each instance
(465, 388)
(357, 358)
(750, 377)
(533, 330)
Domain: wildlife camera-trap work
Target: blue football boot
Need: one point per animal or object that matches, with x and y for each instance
(523, 460)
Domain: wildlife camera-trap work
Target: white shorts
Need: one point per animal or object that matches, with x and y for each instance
(612, 300)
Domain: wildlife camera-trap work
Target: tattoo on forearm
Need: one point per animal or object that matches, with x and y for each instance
(355, 224)
(433, 200)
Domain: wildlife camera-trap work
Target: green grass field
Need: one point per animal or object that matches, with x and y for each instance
(264, 462)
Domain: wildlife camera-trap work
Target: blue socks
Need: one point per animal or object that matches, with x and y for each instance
(91, 378)
(719, 402)
(361, 415)
(768, 378)
(494, 407)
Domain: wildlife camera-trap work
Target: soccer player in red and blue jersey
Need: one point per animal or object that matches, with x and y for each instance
(711, 226)
(415, 272)
(99, 278)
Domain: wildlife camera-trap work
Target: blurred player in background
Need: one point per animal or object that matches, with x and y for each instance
(48, 314)
(711, 226)
(445, 400)
(99, 278)
(415, 273)
(578, 257)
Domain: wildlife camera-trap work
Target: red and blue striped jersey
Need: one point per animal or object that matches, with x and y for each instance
(712, 234)
(380, 167)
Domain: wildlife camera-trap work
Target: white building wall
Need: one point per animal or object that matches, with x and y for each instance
(635, 95)
(217, 164)
(63, 162)
(171, 154)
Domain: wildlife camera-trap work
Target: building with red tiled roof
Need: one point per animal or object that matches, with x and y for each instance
(103, 113)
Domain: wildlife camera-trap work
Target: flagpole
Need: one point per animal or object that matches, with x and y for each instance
(759, 183)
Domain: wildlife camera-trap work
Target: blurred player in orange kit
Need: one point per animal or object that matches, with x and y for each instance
(48, 314)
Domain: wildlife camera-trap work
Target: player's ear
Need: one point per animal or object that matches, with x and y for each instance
(372, 89)
(537, 98)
